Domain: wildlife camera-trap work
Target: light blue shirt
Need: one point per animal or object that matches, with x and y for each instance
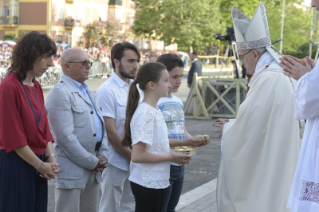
(99, 126)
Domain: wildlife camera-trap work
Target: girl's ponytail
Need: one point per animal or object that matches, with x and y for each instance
(132, 103)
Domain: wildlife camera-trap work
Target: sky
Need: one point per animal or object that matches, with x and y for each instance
(307, 2)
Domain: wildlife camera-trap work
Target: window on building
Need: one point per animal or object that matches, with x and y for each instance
(102, 14)
(131, 21)
(119, 14)
(145, 44)
(59, 38)
(79, 40)
(115, 2)
(9, 11)
(137, 43)
(70, 11)
(60, 12)
(68, 39)
(80, 13)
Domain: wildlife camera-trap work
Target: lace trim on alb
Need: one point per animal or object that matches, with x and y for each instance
(307, 191)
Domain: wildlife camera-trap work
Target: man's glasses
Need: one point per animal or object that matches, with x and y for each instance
(241, 57)
(84, 63)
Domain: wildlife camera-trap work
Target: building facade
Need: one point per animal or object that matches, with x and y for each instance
(64, 20)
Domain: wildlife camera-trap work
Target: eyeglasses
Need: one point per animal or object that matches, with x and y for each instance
(84, 63)
(241, 57)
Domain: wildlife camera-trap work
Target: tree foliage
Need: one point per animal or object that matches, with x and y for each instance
(185, 22)
(193, 23)
(104, 32)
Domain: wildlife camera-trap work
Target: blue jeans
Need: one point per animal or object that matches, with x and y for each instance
(175, 189)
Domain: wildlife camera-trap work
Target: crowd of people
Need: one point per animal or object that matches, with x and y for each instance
(95, 146)
(5, 60)
(118, 141)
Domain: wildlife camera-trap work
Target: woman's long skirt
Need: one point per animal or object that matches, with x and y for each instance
(21, 188)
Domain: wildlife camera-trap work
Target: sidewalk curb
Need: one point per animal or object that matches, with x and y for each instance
(196, 194)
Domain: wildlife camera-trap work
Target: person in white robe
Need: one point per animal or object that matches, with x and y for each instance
(304, 194)
(260, 148)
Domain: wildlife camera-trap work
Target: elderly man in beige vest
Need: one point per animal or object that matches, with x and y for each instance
(260, 147)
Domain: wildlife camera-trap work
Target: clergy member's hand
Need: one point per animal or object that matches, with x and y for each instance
(219, 123)
(295, 68)
(188, 85)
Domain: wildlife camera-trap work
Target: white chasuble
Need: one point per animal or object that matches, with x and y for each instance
(304, 194)
(260, 148)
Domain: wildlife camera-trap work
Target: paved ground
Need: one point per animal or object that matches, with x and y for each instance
(199, 185)
(200, 199)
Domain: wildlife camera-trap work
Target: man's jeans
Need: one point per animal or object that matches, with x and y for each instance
(175, 189)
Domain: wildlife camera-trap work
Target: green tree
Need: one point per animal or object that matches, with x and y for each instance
(188, 23)
(9, 37)
(192, 23)
(296, 23)
(104, 32)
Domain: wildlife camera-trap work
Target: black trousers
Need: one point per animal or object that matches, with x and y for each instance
(149, 199)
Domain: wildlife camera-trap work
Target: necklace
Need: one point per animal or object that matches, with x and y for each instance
(37, 119)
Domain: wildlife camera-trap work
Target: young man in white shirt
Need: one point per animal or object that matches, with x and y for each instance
(112, 97)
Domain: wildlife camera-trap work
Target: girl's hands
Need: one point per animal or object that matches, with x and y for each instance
(181, 159)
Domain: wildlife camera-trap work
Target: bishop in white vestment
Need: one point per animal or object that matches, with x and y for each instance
(260, 148)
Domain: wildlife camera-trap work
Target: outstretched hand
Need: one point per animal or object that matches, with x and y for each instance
(219, 123)
(295, 68)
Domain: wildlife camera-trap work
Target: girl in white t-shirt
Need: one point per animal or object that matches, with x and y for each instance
(146, 133)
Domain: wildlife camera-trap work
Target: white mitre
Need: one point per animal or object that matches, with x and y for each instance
(254, 33)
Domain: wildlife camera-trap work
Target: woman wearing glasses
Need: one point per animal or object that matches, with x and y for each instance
(26, 154)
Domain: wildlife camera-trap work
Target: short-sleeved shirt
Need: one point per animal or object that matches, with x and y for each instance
(148, 126)
(18, 126)
(112, 97)
(172, 109)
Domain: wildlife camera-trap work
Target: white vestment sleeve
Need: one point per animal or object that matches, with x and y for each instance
(307, 95)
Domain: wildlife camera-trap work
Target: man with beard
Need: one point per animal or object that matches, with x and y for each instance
(112, 97)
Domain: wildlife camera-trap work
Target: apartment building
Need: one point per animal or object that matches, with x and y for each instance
(64, 20)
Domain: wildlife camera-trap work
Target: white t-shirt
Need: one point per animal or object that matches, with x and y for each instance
(112, 98)
(172, 109)
(148, 126)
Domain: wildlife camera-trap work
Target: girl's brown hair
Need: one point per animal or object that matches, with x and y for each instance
(146, 73)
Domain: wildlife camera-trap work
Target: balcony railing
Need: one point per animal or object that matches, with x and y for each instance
(9, 21)
(71, 23)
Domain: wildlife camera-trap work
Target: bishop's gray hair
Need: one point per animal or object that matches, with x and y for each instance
(261, 50)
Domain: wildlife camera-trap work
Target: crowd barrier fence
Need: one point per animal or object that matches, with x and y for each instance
(211, 97)
(54, 74)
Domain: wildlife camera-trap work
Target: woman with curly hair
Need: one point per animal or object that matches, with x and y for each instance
(26, 154)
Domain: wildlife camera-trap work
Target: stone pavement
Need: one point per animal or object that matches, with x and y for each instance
(200, 199)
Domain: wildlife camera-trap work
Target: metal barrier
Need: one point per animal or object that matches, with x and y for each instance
(54, 74)
(214, 97)
(216, 60)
